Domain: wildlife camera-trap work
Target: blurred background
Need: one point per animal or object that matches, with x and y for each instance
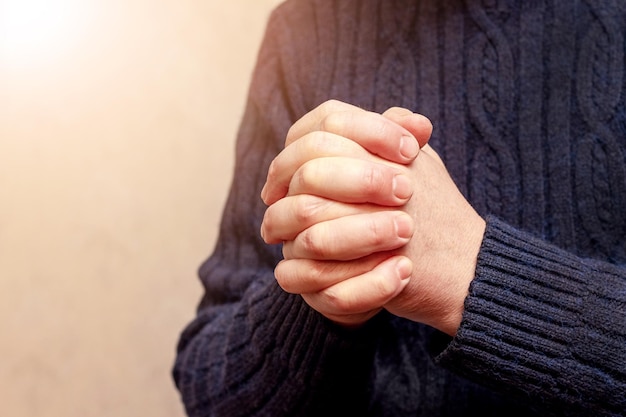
(117, 127)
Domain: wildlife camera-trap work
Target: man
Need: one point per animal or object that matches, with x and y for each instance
(481, 275)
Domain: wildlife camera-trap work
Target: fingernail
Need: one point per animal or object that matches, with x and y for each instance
(404, 268)
(404, 226)
(409, 147)
(402, 187)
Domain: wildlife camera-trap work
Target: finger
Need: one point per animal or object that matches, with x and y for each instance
(311, 121)
(353, 181)
(351, 237)
(311, 146)
(289, 216)
(420, 126)
(378, 134)
(355, 300)
(300, 276)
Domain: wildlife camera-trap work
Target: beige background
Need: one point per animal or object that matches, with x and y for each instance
(117, 120)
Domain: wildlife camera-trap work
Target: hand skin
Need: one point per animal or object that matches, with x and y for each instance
(339, 129)
(447, 237)
(350, 248)
(314, 146)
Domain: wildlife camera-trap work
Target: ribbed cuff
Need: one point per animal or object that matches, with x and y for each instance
(522, 312)
(545, 324)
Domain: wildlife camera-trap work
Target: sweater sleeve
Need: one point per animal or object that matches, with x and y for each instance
(254, 350)
(545, 324)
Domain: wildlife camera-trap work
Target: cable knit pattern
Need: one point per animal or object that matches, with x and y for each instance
(490, 101)
(601, 158)
(528, 103)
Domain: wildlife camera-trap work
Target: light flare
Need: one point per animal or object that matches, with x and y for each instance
(40, 32)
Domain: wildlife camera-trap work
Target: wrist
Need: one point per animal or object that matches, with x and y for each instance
(465, 273)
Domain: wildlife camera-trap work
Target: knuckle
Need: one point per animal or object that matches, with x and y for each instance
(397, 109)
(315, 275)
(378, 231)
(338, 301)
(312, 244)
(331, 105)
(375, 179)
(378, 293)
(307, 209)
(306, 178)
(317, 143)
(333, 122)
(384, 128)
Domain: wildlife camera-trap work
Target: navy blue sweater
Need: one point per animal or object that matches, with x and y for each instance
(528, 103)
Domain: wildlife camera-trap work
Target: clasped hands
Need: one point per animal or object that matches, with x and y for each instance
(370, 219)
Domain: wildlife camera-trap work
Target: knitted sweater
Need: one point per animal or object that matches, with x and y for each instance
(528, 103)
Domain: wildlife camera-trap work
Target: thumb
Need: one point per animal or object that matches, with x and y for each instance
(419, 125)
